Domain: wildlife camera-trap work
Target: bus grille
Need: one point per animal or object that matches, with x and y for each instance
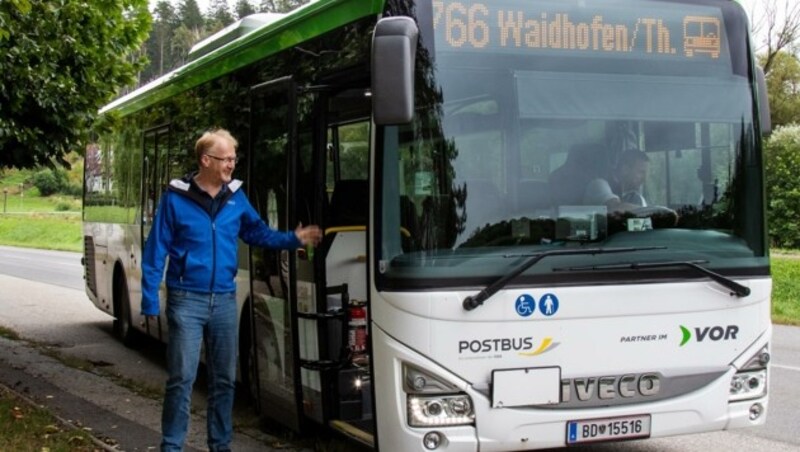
(88, 264)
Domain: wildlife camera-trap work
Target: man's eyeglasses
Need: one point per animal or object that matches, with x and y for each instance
(233, 160)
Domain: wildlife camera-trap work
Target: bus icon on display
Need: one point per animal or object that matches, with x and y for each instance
(701, 34)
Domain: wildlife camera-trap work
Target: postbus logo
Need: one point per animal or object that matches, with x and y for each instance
(524, 346)
(711, 333)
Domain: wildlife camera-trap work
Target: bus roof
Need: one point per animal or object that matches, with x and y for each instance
(304, 23)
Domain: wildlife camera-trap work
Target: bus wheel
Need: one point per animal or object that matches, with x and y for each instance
(123, 328)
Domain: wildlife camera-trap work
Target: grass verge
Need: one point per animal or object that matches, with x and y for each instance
(46, 231)
(786, 289)
(27, 427)
(8, 333)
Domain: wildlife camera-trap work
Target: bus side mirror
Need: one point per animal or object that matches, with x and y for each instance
(394, 50)
(763, 102)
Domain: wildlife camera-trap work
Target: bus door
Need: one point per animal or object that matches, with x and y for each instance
(155, 177)
(346, 123)
(281, 281)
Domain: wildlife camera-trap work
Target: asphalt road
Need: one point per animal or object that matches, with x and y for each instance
(56, 268)
(42, 298)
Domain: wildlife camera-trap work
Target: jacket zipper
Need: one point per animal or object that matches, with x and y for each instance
(213, 253)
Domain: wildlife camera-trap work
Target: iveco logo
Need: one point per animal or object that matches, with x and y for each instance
(612, 387)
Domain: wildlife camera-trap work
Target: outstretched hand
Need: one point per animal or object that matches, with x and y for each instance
(309, 234)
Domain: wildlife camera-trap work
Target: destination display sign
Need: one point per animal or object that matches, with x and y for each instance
(617, 28)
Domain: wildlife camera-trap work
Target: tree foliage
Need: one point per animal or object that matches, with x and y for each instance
(190, 15)
(782, 164)
(243, 8)
(60, 61)
(280, 6)
(219, 14)
(179, 24)
(783, 88)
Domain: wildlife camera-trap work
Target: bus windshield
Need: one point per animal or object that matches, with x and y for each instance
(528, 114)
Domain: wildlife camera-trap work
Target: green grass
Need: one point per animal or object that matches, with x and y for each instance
(8, 333)
(11, 178)
(786, 289)
(113, 214)
(26, 427)
(28, 203)
(39, 230)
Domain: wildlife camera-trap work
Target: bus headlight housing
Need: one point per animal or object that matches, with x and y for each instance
(751, 380)
(748, 385)
(432, 401)
(444, 410)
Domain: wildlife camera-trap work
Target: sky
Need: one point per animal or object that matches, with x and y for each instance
(755, 10)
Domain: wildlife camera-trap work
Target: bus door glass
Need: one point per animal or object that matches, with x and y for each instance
(154, 181)
(272, 352)
(155, 176)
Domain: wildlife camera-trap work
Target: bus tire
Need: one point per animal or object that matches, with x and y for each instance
(123, 327)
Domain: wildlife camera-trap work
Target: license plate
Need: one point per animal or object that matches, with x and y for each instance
(608, 429)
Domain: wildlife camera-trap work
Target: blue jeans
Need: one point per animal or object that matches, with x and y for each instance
(192, 318)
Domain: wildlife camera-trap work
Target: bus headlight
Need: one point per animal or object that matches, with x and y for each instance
(751, 380)
(429, 411)
(433, 401)
(748, 385)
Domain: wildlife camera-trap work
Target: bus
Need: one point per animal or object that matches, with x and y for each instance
(466, 296)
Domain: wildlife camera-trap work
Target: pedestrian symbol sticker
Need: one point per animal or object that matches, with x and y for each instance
(525, 305)
(548, 304)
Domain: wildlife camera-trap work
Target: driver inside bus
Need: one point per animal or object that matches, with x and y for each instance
(623, 190)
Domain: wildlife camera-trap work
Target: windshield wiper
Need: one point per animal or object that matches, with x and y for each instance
(473, 301)
(736, 288)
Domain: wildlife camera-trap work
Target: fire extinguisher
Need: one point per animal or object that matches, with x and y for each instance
(357, 327)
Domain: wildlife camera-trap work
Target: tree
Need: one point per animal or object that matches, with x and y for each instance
(781, 166)
(783, 88)
(58, 65)
(190, 16)
(243, 8)
(780, 26)
(219, 15)
(280, 6)
(165, 22)
(183, 38)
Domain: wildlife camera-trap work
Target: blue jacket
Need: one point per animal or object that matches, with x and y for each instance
(200, 237)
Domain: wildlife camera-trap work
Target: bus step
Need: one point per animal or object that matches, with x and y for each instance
(322, 364)
(360, 431)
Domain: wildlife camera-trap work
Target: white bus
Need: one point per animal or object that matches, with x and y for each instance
(466, 295)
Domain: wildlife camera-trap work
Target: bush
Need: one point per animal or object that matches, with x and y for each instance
(46, 182)
(782, 166)
(50, 181)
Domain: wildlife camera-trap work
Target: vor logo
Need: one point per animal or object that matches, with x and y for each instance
(714, 333)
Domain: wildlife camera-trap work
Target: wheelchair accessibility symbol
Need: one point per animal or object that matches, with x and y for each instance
(525, 305)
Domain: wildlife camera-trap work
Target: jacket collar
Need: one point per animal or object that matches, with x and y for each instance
(183, 186)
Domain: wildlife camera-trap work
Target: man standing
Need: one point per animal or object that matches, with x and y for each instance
(198, 223)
